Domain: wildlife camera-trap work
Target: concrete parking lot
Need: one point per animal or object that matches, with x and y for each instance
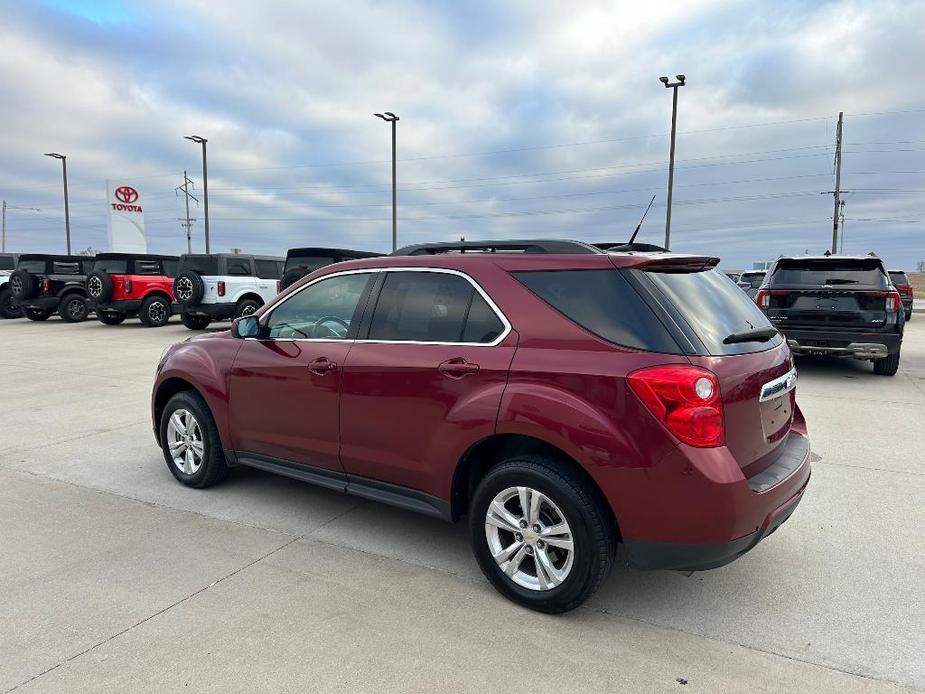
(116, 578)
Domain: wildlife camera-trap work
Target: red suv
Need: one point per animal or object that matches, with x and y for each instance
(563, 398)
(129, 284)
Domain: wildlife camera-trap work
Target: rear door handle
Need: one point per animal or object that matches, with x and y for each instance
(458, 368)
(321, 366)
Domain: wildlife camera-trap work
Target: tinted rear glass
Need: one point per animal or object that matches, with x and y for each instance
(819, 273)
(899, 278)
(6, 263)
(714, 308)
(35, 266)
(267, 269)
(604, 303)
(204, 265)
(753, 280)
(170, 267)
(65, 268)
(239, 267)
(114, 265)
(310, 263)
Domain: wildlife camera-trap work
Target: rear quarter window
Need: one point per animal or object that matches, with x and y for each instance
(604, 303)
(33, 266)
(6, 263)
(267, 269)
(63, 268)
(238, 266)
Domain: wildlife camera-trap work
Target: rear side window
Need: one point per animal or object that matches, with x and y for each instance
(267, 269)
(147, 267)
(714, 309)
(6, 263)
(116, 266)
(62, 268)
(850, 272)
(238, 266)
(203, 264)
(432, 307)
(604, 303)
(899, 278)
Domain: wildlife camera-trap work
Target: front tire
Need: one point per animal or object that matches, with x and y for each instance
(195, 322)
(190, 441)
(887, 366)
(541, 533)
(155, 312)
(110, 318)
(73, 309)
(247, 307)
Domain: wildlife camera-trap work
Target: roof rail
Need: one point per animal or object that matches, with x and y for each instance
(625, 247)
(523, 246)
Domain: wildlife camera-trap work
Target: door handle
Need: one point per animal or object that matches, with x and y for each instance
(321, 366)
(458, 368)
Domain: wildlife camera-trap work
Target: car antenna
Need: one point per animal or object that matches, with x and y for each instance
(639, 226)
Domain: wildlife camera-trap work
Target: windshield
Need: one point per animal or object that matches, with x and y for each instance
(754, 279)
(203, 264)
(899, 278)
(116, 266)
(860, 272)
(715, 309)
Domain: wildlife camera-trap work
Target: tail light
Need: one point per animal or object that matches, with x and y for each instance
(221, 288)
(46, 286)
(685, 399)
(128, 286)
(763, 298)
(893, 302)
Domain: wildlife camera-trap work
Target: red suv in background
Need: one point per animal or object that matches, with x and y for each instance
(563, 398)
(127, 284)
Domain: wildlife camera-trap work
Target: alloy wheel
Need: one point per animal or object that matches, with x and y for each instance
(76, 308)
(15, 286)
(184, 441)
(95, 287)
(184, 289)
(529, 538)
(157, 312)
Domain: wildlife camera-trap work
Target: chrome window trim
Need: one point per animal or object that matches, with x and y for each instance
(446, 271)
(779, 386)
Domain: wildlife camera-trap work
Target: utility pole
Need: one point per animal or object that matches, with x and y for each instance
(3, 242)
(841, 214)
(67, 213)
(838, 140)
(674, 122)
(390, 117)
(205, 182)
(188, 223)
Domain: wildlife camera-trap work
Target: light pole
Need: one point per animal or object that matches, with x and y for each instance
(674, 122)
(205, 183)
(390, 117)
(67, 212)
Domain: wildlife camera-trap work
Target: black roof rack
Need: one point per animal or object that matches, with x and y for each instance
(522, 246)
(624, 247)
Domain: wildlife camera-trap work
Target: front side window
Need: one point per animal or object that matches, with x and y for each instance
(432, 307)
(323, 310)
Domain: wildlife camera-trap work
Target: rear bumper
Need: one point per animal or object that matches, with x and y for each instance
(126, 306)
(41, 303)
(697, 557)
(215, 311)
(845, 344)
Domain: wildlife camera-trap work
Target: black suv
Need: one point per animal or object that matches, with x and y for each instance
(901, 282)
(42, 284)
(8, 308)
(836, 305)
(304, 261)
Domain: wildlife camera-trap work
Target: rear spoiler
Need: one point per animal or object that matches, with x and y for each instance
(678, 263)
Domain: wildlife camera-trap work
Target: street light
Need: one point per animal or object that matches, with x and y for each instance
(205, 182)
(674, 121)
(390, 117)
(67, 213)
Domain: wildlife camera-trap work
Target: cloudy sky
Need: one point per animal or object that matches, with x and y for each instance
(518, 119)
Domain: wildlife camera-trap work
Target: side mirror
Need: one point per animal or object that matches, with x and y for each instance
(245, 326)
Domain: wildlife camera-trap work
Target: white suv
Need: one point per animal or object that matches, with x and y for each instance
(223, 286)
(7, 265)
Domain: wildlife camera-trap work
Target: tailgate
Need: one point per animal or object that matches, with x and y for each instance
(758, 402)
(827, 308)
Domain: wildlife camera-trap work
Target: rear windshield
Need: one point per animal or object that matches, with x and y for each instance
(899, 278)
(34, 266)
(310, 263)
(60, 267)
(714, 308)
(754, 279)
(204, 265)
(6, 263)
(819, 273)
(604, 303)
(114, 265)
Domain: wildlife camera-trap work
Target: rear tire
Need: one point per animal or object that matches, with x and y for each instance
(110, 318)
(246, 307)
(36, 314)
(155, 312)
(201, 463)
(195, 322)
(567, 502)
(6, 305)
(887, 366)
(73, 309)
(908, 316)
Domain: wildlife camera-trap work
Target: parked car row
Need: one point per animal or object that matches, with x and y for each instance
(116, 286)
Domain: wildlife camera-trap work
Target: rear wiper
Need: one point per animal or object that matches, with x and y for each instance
(756, 335)
(839, 280)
